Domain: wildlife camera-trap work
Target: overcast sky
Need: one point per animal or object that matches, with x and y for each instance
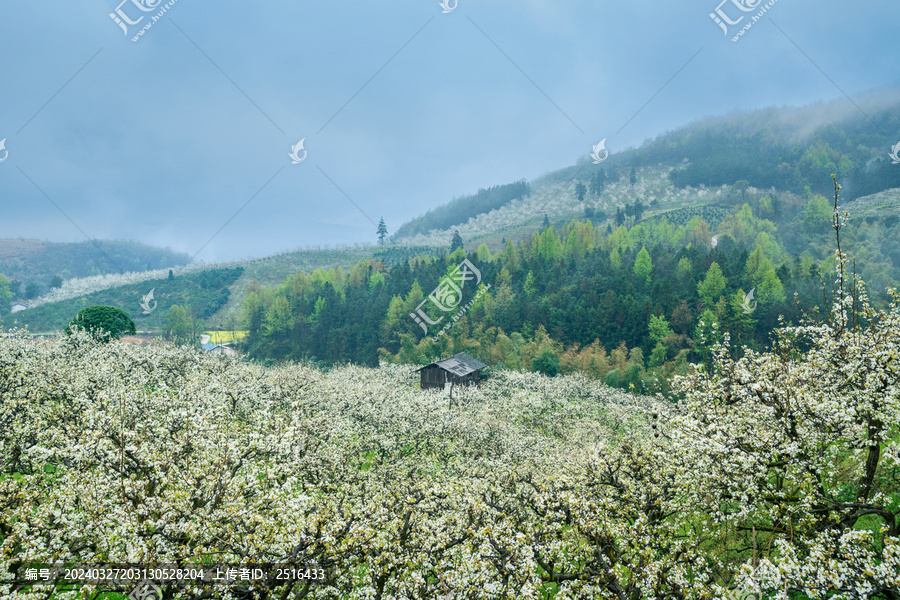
(402, 106)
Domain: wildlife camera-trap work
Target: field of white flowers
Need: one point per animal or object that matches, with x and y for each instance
(559, 200)
(777, 475)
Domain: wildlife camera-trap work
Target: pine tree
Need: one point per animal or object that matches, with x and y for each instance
(382, 231)
(457, 241)
(633, 177)
(580, 191)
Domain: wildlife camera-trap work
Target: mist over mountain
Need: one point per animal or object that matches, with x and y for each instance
(35, 262)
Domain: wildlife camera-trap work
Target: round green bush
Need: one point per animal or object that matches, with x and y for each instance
(103, 322)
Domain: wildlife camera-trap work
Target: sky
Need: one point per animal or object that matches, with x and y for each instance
(183, 138)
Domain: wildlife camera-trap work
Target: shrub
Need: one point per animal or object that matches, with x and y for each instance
(103, 322)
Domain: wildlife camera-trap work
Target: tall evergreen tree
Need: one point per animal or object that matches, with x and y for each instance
(580, 191)
(382, 231)
(457, 241)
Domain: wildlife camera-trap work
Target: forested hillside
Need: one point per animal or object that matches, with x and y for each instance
(35, 263)
(624, 304)
(460, 210)
(792, 149)
(201, 293)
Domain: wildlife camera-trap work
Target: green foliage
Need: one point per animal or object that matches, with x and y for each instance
(817, 215)
(103, 322)
(395, 255)
(528, 287)
(643, 265)
(712, 215)
(574, 290)
(712, 286)
(770, 289)
(6, 294)
(580, 191)
(180, 326)
(659, 328)
(547, 362)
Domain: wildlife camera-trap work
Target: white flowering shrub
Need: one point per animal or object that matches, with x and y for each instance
(796, 452)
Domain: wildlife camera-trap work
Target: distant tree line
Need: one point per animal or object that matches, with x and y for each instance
(460, 210)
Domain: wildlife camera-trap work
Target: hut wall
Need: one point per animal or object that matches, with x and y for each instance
(433, 377)
(436, 377)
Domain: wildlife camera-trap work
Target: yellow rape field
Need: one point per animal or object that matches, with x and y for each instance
(223, 337)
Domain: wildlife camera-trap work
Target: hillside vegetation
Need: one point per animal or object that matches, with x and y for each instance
(202, 293)
(38, 262)
(779, 150)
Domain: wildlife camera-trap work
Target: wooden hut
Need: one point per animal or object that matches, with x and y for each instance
(461, 369)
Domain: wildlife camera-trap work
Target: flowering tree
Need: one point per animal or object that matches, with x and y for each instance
(777, 475)
(793, 454)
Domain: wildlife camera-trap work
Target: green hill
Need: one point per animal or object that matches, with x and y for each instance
(204, 293)
(786, 150)
(37, 262)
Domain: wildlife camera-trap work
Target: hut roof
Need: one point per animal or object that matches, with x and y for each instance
(460, 365)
